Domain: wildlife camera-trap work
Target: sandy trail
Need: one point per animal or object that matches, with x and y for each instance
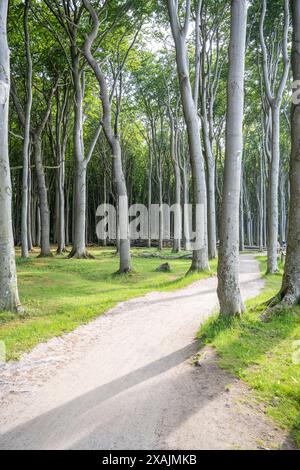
(125, 381)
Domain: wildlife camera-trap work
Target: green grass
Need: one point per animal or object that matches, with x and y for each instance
(60, 294)
(261, 354)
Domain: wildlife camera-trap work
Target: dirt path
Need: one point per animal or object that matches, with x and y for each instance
(125, 381)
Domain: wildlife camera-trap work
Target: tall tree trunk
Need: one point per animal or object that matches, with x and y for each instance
(273, 209)
(200, 255)
(149, 175)
(9, 297)
(43, 197)
(275, 101)
(79, 221)
(113, 140)
(26, 144)
(228, 269)
(290, 292)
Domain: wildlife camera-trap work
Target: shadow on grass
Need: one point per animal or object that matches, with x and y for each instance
(262, 354)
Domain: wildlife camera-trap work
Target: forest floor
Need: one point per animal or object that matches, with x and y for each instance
(128, 380)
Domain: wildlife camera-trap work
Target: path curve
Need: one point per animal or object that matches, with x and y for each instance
(125, 381)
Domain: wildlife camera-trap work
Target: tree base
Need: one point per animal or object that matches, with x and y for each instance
(61, 252)
(77, 255)
(45, 255)
(125, 271)
(283, 300)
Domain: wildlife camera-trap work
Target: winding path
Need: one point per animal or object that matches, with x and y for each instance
(125, 381)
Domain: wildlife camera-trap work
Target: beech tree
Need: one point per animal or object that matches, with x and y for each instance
(179, 32)
(9, 297)
(275, 101)
(290, 292)
(228, 268)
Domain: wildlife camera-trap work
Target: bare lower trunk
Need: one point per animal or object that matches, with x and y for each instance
(211, 212)
(177, 240)
(79, 242)
(9, 297)
(228, 269)
(186, 216)
(121, 190)
(43, 198)
(149, 198)
(273, 212)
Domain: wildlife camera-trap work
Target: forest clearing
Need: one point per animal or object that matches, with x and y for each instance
(149, 225)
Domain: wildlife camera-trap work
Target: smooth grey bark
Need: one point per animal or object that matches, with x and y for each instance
(208, 83)
(61, 146)
(81, 159)
(26, 144)
(290, 292)
(113, 140)
(9, 297)
(242, 218)
(37, 136)
(43, 196)
(161, 201)
(29, 222)
(79, 198)
(275, 102)
(228, 268)
(200, 256)
(186, 200)
(149, 176)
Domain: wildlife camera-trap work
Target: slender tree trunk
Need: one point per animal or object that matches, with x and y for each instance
(161, 215)
(26, 144)
(186, 215)
(149, 196)
(9, 297)
(29, 224)
(79, 221)
(275, 101)
(113, 140)
(290, 292)
(242, 221)
(43, 197)
(273, 209)
(211, 179)
(200, 256)
(228, 270)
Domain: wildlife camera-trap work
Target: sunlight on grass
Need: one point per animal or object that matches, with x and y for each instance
(60, 294)
(261, 353)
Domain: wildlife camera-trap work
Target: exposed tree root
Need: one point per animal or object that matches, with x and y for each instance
(283, 300)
